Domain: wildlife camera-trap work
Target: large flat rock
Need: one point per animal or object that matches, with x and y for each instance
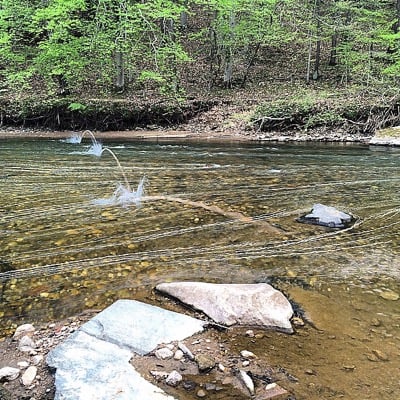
(93, 363)
(229, 304)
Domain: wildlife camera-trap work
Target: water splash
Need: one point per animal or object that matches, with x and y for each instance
(124, 196)
(73, 139)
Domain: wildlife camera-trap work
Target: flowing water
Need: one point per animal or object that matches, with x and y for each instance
(62, 252)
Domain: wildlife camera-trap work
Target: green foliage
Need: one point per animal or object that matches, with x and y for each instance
(65, 45)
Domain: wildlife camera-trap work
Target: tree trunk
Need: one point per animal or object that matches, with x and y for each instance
(228, 54)
(317, 63)
(333, 55)
(120, 72)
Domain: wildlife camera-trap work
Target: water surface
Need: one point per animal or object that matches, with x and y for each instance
(60, 253)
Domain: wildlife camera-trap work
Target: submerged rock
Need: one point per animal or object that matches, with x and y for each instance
(326, 216)
(229, 304)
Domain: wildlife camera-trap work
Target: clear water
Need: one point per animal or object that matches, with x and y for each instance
(60, 253)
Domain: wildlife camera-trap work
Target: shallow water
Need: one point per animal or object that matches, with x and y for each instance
(60, 253)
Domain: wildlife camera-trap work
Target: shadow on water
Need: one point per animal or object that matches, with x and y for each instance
(62, 254)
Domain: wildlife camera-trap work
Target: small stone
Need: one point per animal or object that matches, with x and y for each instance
(247, 354)
(349, 367)
(174, 378)
(389, 295)
(26, 344)
(164, 353)
(296, 321)
(310, 372)
(9, 373)
(247, 381)
(376, 322)
(23, 330)
(201, 393)
(178, 355)
(23, 364)
(204, 362)
(29, 376)
(186, 351)
(37, 359)
(209, 387)
(380, 355)
(245, 363)
(189, 385)
(221, 367)
(274, 390)
(159, 375)
(250, 333)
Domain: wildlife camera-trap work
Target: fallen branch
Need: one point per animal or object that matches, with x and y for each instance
(230, 214)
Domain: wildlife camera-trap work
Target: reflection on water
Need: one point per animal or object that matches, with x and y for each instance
(60, 253)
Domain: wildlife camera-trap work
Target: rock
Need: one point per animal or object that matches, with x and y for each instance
(244, 304)
(274, 390)
(36, 360)
(93, 362)
(141, 327)
(23, 364)
(29, 376)
(204, 362)
(23, 330)
(178, 355)
(247, 354)
(326, 216)
(389, 295)
(26, 344)
(201, 393)
(174, 378)
(8, 373)
(164, 353)
(247, 381)
(159, 375)
(186, 351)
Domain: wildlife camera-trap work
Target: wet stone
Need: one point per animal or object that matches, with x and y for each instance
(389, 295)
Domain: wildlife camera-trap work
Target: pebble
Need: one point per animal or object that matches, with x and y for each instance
(29, 376)
(23, 330)
(221, 367)
(248, 382)
(201, 393)
(9, 373)
(204, 362)
(159, 375)
(174, 378)
(380, 355)
(274, 390)
(23, 364)
(164, 353)
(247, 354)
(186, 351)
(36, 360)
(389, 295)
(178, 355)
(26, 344)
(250, 333)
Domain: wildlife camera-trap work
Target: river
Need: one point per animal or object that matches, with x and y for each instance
(61, 252)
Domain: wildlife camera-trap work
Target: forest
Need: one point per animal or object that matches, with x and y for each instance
(80, 57)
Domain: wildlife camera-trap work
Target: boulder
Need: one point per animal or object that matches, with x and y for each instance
(229, 304)
(326, 216)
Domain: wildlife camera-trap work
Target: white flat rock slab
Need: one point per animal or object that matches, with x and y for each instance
(93, 363)
(328, 215)
(242, 304)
